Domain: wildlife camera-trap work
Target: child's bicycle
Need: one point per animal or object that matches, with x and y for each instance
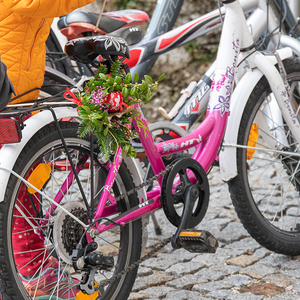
(83, 212)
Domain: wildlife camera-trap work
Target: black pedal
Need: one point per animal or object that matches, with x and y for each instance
(197, 241)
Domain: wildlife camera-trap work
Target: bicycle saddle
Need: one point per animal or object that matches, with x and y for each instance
(85, 50)
(79, 24)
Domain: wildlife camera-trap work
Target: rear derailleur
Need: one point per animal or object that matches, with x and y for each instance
(88, 261)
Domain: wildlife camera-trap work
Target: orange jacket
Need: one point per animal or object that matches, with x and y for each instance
(24, 28)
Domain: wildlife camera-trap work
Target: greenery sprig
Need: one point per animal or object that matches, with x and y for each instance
(106, 107)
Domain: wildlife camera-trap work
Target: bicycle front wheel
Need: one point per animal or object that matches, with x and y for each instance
(37, 240)
(265, 192)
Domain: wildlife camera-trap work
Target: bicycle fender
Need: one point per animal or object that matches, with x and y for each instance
(240, 96)
(9, 153)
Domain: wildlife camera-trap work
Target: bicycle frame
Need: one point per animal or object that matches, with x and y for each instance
(208, 136)
(187, 111)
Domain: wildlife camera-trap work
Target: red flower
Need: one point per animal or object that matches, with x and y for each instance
(115, 101)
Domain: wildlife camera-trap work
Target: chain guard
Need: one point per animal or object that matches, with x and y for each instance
(171, 198)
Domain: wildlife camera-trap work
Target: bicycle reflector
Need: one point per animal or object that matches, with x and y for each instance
(252, 140)
(10, 131)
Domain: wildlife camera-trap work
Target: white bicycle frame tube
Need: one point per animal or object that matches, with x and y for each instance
(264, 66)
(240, 96)
(295, 8)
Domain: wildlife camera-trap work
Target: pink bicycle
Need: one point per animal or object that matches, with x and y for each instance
(87, 213)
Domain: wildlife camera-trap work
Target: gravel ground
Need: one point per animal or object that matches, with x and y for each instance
(240, 269)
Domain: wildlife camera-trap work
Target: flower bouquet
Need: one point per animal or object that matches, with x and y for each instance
(106, 107)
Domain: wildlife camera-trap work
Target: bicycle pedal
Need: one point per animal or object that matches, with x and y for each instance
(198, 241)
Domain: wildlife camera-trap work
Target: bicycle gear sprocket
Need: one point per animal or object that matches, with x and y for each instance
(184, 172)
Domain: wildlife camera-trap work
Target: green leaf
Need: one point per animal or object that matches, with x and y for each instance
(118, 80)
(144, 85)
(148, 97)
(103, 76)
(128, 77)
(125, 92)
(149, 79)
(133, 90)
(99, 127)
(105, 132)
(161, 77)
(87, 109)
(97, 116)
(136, 77)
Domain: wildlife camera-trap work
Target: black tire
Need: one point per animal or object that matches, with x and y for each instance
(124, 244)
(265, 193)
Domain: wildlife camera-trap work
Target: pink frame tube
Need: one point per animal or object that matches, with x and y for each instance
(207, 136)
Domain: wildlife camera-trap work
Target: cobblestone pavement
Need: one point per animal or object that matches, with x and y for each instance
(240, 269)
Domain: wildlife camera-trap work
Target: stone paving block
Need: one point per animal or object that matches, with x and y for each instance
(246, 244)
(143, 271)
(245, 296)
(284, 297)
(205, 288)
(275, 260)
(250, 273)
(242, 260)
(179, 255)
(184, 268)
(230, 252)
(261, 253)
(210, 275)
(157, 292)
(262, 270)
(155, 279)
(237, 280)
(292, 273)
(137, 296)
(216, 224)
(280, 279)
(232, 232)
(182, 295)
(208, 217)
(210, 259)
(159, 264)
(186, 282)
(228, 212)
(139, 284)
(292, 264)
(226, 269)
(219, 294)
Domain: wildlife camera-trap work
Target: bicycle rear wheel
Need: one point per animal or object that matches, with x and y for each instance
(23, 271)
(265, 192)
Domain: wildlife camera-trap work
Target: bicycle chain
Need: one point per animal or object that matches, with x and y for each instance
(146, 256)
(147, 182)
(132, 266)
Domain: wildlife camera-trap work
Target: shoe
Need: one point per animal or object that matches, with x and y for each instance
(46, 285)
